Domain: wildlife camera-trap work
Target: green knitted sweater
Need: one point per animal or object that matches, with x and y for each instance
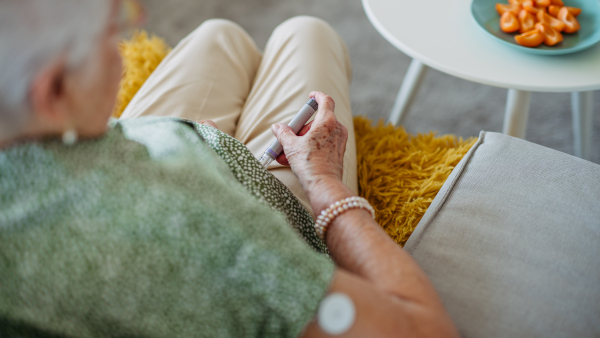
(146, 232)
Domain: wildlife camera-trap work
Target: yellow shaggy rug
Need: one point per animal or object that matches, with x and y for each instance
(398, 173)
(141, 56)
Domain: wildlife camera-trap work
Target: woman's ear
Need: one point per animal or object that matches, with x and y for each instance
(48, 97)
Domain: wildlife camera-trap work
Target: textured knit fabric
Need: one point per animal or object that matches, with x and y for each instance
(148, 238)
(262, 184)
(512, 242)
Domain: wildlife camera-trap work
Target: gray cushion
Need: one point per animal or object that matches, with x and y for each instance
(512, 242)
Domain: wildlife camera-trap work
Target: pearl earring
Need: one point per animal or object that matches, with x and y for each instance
(69, 137)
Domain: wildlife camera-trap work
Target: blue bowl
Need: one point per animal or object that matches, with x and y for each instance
(486, 17)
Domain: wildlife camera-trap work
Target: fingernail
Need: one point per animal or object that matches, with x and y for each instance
(275, 128)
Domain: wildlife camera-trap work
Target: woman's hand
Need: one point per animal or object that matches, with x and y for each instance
(317, 154)
(209, 123)
(392, 295)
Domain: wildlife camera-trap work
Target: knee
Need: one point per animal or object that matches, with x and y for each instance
(308, 24)
(215, 27)
(312, 33)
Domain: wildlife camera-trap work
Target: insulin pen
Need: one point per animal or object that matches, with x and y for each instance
(297, 123)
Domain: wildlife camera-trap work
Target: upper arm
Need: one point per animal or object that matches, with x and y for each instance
(380, 314)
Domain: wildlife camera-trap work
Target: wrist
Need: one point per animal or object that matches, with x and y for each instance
(325, 191)
(339, 209)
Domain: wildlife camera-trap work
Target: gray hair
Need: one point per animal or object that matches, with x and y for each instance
(33, 34)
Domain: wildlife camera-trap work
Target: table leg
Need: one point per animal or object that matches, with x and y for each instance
(410, 84)
(517, 111)
(582, 104)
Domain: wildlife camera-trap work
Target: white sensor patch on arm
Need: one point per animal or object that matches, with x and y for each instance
(336, 314)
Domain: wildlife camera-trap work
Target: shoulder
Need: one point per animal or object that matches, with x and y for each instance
(162, 136)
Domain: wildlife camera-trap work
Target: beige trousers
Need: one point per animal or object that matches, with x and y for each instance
(217, 73)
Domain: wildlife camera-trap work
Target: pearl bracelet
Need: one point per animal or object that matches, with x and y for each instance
(328, 215)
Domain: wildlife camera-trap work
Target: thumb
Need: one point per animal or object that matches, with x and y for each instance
(283, 133)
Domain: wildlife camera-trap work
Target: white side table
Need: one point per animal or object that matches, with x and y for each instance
(441, 34)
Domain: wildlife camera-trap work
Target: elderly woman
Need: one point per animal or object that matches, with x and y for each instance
(158, 226)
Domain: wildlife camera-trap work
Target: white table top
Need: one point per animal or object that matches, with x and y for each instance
(443, 35)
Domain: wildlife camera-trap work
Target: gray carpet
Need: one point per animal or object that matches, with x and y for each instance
(444, 104)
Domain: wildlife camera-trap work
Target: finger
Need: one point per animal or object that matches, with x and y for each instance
(209, 123)
(326, 103)
(282, 159)
(305, 129)
(326, 106)
(284, 134)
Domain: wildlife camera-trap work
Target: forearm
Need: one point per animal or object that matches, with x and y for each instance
(359, 245)
(392, 294)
